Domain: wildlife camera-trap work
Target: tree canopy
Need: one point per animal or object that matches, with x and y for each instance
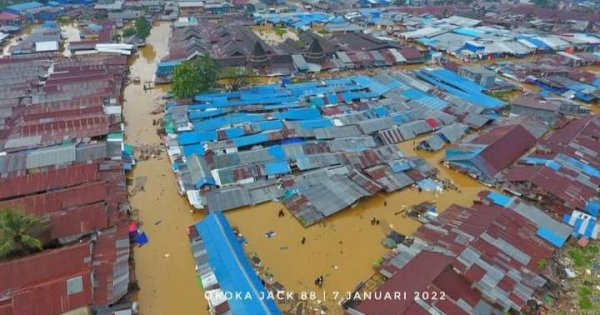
(142, 27)
(544, 3)
(235, 78)
(195, 76)
(16, 232)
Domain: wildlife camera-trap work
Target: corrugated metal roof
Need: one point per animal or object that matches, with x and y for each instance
(56, 155)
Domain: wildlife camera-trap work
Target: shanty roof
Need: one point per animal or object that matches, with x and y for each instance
(416, 276)
(232, 270)
(535, 103)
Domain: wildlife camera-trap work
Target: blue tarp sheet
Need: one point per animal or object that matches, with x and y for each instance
(540, 44)
(277, 168)
(593, 207)
(234, 132)
(468, 31)
(194, 137)
(551, 237)
(277, 152)
(459, 86)
(204, 181)
(193, 149)
(299, 114)
(195, 114)
(141, 239)
(499, 199)
(251, 140)
(587, 169)
(232, 270)
(381, 111)
(270, 125)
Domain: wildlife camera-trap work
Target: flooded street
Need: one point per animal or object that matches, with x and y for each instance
(164, 267)
(343, 250)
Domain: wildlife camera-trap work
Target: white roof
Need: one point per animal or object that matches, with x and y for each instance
(460, 20)
(191, 4)
(527, 43)
(554, 42)
(51, 45)
(570, 56)
(3, 36)
(397, 56)
(424, 32)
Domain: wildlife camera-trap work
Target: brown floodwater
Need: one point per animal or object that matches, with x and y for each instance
(343, 250)
(165, 266)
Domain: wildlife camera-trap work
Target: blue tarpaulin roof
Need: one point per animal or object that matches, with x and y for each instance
(593, 207)
(299, 114)
(270, 125)
(499, 199)
(232, 270)
(551, 237)
(193, 137)
(459, 86)
(381, 111)
(18, 8)
(277, 168)
(251, 140)
(234, 132)
(277, 152)
(193, 149)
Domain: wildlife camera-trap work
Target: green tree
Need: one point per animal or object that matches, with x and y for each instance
(142, 27)
(235, 78)
(542, 3)
(195, 76)
(16, 232)
(128, 32)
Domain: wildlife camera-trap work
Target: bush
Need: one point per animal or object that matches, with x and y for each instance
(280, 31)
(128, 32)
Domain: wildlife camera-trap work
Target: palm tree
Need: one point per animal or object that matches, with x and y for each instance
(15, 232)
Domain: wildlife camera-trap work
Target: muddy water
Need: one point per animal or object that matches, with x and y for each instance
(164, 267)
(343, 250)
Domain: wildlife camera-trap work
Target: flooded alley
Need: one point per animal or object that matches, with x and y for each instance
(164, 267)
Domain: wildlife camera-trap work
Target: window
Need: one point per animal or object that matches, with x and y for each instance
(74, 285)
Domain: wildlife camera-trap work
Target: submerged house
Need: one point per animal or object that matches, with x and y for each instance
(223, 269)
(484, 258)
(563, 173)
(485, 156)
